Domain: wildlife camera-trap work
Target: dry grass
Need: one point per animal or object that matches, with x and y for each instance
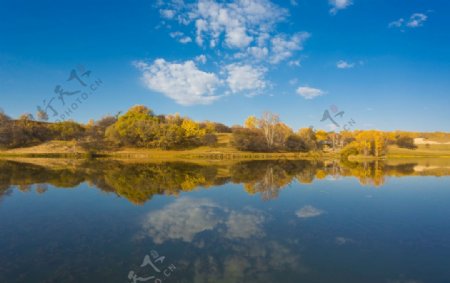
(223, 151)
(433, 150)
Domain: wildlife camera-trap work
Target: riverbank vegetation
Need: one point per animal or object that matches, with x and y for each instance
(141, 129)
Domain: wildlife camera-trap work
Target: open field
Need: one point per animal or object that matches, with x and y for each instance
(432, 150)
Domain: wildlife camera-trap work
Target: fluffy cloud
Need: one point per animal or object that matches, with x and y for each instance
(416, 20)
(339, 5)
(344, 65)
(309, 92)
(182, 82)
(295, 63)
(397, 24)
(283, 47)
(242, 26)
(167, 13)
(238, 21)
(245, 78)
(180, 37)
(309, 211)
(201, 58)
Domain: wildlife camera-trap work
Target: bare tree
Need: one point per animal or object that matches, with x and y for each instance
(268, 124)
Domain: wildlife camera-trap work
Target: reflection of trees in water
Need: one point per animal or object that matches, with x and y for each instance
(138, 182)
(268, 177)
(374, 172)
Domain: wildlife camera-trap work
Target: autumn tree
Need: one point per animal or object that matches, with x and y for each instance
(192, 132)
(309, 138)
(268, 124)
(251, 122)
(67, 130)
(322, 138)
(282, 132)
(137, 127)
(295, 143)
(5, 130)
(249, 140)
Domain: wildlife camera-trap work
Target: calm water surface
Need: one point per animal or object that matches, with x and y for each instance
(259, 221)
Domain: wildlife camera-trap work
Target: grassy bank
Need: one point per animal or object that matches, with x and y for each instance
(422, 151)
(223, 151)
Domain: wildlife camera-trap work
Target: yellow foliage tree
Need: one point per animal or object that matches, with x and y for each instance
(251, 122)
(192, 129)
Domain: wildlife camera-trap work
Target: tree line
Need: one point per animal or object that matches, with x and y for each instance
(141, 127)
(269, 134)
(138, 127)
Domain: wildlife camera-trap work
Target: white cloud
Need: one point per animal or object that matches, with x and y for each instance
(339, 5)
(185, 39)
(201, 58)
(294, 63)
(245, 78)
(416, 20)
(259, 53)
(309, 92)
(246, 27)
(293, 81)
(309, 211)
(167, 13)
(397, 24)
(182, 82)
(238, 21)
(283, 47)
(180, 37)
(341, 64)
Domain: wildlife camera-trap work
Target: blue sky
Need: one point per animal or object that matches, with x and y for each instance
(386, 64)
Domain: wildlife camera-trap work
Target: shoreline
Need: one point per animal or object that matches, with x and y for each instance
(211, 155)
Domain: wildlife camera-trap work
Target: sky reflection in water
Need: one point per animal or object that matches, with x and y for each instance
(260, 221)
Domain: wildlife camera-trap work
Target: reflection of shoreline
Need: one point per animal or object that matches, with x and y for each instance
(138, 182)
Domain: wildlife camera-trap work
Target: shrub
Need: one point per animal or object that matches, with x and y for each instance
(249, 140)
(406, 142)
(209, 139)
(296, 144)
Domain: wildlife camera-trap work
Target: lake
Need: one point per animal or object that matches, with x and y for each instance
(224, 221)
